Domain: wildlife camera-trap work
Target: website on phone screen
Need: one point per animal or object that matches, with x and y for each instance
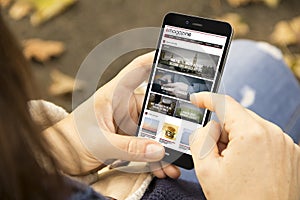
(187, 63)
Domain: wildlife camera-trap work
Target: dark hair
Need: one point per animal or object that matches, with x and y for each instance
(23, 150)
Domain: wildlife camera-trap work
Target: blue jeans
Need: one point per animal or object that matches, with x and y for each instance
(256, 76)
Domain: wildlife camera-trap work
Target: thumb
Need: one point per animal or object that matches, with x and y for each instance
(135, 72)
(132, 148)
(203, 143)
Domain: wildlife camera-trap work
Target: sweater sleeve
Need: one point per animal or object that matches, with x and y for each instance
(45, 113)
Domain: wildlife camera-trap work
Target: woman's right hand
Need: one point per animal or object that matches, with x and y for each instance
(243, 156)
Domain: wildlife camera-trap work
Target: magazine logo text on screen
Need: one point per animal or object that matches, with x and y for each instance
(177, 32)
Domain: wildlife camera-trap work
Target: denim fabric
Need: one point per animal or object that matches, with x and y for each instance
(257, 68)
(256, 76)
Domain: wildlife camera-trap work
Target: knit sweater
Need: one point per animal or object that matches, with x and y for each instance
(159, 189)
(170, 189)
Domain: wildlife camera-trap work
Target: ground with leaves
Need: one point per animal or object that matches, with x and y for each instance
(74, 32)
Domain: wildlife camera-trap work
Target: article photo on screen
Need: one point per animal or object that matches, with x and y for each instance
(189, 62)
(178, 85)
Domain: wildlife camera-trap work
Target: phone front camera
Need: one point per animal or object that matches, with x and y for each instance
(187, 22)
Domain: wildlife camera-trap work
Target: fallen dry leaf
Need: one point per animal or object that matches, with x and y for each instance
(286, 32)
(272, 3)
(293, 62)
(296, 67)
(240, 27)
(20, 9)
(289, 60)
(237, 3)
(297, 71)
(63, 84)
(295, 25)
(42, 50)
(283, 34)
(4, 3)
(43, 9)
(46, 9)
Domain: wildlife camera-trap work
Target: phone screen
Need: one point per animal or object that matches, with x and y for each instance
(187, 61)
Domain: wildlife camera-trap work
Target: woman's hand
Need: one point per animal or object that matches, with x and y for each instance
(118, 105)
(243, 156)
(97, 128)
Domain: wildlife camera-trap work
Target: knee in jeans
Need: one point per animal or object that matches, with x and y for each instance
(270, 49)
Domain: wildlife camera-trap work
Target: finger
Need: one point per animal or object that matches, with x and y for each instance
(223, 140)
(170, 170)
(228, 111)
(135, 72)
(121, 89)
(135, 149)
(141, 89)
(139, 99)
(157, 170)
(163, 169)
(203, 143)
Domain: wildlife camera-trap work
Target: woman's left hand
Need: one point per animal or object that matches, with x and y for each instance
(119, 104)
(98, 129)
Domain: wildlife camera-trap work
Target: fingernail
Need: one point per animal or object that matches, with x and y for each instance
(192, 97)
(207, 147)
(154, 151)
